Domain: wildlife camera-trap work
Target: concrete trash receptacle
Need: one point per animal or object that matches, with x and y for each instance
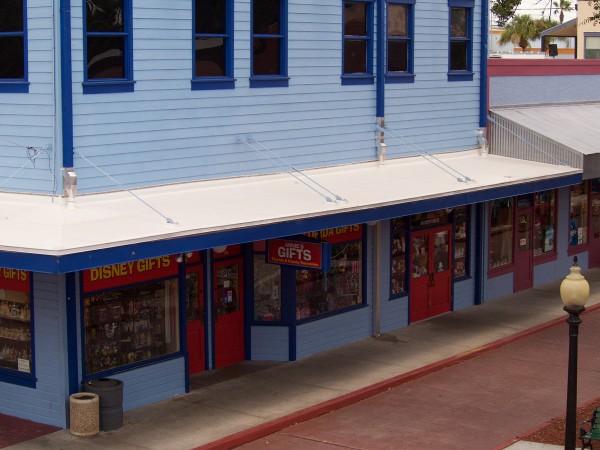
(110, 392)
(84, 408)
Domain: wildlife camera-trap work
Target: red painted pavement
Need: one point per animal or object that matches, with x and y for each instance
(14, 430)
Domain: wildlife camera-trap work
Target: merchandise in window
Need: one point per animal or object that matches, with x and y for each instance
(399, 40)
(461, 243)
(269, 43)
(320, 292)
(13, 45)
(213, 44)
(267, 290)
(108, 46)
(130, 325)
(358, 42)
(460, 45)
(398, 276)
(501, 233)
(15, 321)
(544, 223)
(578, 215)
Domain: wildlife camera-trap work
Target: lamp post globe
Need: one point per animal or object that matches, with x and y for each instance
(574, 292)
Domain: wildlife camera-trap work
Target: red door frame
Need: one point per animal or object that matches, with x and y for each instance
(430, 291)
(594, 235)
(228, 313)
(523, 251)
(196, 334)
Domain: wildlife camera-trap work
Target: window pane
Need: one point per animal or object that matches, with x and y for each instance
(544, 223)
(104, 15)
(267, 290)
(211, 16)
(15, 330)
(458, 23)
(501, 233)
(11, 15)
(355, 19)
(105, 57)
(266, 15)
(397, 56)
(12, 57)
(397, 20)
(398, 256)
(458, 55)
(210, 57)
(355, 56)
(131, 325)
(461, 247)
(578, 217)
(592, 47)
(266, 56)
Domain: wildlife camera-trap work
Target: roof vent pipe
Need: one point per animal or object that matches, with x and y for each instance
(69, 185)
(380, 140)
(481, 138)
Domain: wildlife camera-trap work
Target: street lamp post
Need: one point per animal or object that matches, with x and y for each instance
(574, 292)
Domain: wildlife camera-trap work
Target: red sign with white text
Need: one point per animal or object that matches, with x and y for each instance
(340, 234)
(306, 255)
(106, 277)
(14, 280)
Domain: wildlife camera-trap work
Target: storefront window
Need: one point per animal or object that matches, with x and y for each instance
(398, 277)
(544, 223)
(501, 233)
(460, 242)
(578, 215)
(319, 292)
(15, 321)
(267, 287)
(130, 325)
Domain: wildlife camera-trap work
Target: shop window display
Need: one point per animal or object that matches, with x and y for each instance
(398, 276)
(460, 242)
(544, 222)
(130, 325)
(15, 324)
(501, 233)
(578, 215)
(267, 290)
(319, 292)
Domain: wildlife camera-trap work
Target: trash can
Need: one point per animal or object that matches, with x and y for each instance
(84, 410)
(110, 392)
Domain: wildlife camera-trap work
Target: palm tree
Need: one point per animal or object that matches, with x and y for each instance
(520, 31)
(561, 6)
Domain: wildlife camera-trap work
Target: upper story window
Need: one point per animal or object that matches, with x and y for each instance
(13, 46)
(400, 26)
(269, 43)
(460, 54)
(108, 46)
(591, 46)
(357, 59)
(213, 44)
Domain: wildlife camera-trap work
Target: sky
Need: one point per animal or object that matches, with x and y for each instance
(535, 8)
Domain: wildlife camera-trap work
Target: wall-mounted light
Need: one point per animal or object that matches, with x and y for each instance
(220, 249)
(179, 258)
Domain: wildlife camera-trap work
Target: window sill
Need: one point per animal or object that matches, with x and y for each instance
(544, 258)
(330, 314)
(349, 80)
(16, 86)
(502, 270)
(269, 81)
(460, 76)
(17, 378)
(462, 278)
(208, 83)
(576, 249)
(400, 296)
(128, 367)
(400, 77)
(109, 86)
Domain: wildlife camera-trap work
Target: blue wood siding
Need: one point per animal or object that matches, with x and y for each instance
(270, 343)
(26, 119)
(324, 334)
(47, 402)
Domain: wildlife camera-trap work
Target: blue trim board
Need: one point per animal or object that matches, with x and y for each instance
(66, 88)
(483, 64)
(380, 68)
(71, 312)
(183, 324)
(96, 258)
(248, 283)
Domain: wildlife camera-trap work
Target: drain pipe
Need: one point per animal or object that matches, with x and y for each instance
(380, 84)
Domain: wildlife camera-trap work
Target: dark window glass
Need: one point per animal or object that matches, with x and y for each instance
(458, 24)
(458, 55)
(211, 16)
(210, 57)
(12, 57)
(397, 20)
(459, 39)
(355, 19)
(104, 16)
(355, 56)
(266, 16)
(11, 15)
(397, 56)
(105, 57)
(266, 56)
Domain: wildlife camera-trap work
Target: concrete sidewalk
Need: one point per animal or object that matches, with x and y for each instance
(238, 404)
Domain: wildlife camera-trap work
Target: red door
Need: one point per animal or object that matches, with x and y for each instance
(228, 312)
(595, 234)
(431, 275)
(523, 278)
(195, 319)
